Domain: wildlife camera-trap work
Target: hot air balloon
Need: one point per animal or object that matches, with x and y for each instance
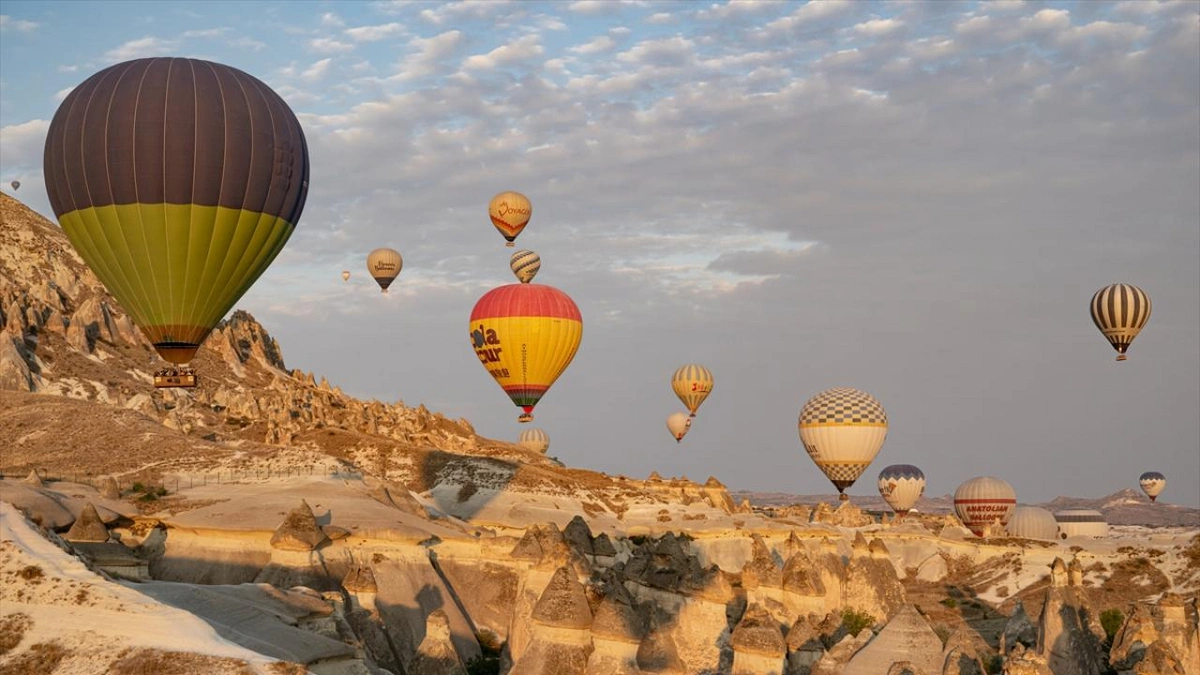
(843, 429)
(1120, 311)
(178, 181)
(16, 184)
(984, 501)
(692, 384)
(1152, 483)
(384, 264)
(510, 213)
(525, 335)
(1031, 522)
(345, 275)
(678, 424)
(525, 264)
(535, 440)
(901, 485)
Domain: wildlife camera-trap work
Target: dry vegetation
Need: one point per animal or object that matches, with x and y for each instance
(159, 662)
(12, 630)
(39, 659)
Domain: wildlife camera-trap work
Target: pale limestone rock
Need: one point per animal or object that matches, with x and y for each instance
(436, 655)
(1019, 629)
(758, 644)
(934, 569)
(659, 654)
(299, 531)
(761, 569)
(804, 647)
(617, 632)
(33, 478)
(834, 661)
(1065, 637)
(88, 527)
(907, 634)
(1022, 662)
(14, 370)
(960, 662)
(848, 515)
(563, 603)
(1165, 635)
(109, 488)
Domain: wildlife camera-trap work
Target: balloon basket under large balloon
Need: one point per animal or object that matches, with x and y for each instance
(1154, 498)
(524, 417)
(169, 378)
(1122, 357)
(843, 497)
(510, 244)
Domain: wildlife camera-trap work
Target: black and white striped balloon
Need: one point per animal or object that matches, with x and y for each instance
(525, 264)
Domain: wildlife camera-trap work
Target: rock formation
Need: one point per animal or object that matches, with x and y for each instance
(758, 644)
(88, 527)
(1020, 629)
(906, 637)
(1159, 638)
(436, 655)
(1065, 636)
(299, 531)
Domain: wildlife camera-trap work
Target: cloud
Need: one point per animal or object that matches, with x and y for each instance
(672, 51)
(374, 33)
(518, 50)
(205, 32)
(62, 94)
(600, 44)
(317, 70)
(878, 27)
(245, 42)
(141, 48)
(330, 46)
(8, 23)
(21, 145)
(332, 20)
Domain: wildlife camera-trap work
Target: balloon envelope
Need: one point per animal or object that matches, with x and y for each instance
(535, 440)
(15, 184)
(384, 264)
(1120, 311)
(178, 181)
(982, 501)
(842, 430)
(1153, 483)
(525, 265)
(345, 275)
(525, 335)
(1031, 522)
(510, 213)
(692, 384)
(901, 485)
(678, 424)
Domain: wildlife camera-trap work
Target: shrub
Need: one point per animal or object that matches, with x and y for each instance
(993, 665)
(854, 621)
(949, 602)
(1111, 620)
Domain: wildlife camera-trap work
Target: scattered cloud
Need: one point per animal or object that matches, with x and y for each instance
(141, 48)
(8, 23)
(330, 46)
(374, 33)
(317, 70)
(521, 49)
(603, 43)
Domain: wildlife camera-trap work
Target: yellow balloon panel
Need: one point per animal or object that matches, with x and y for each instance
(843, 452)
(526, 354)
(692, 384)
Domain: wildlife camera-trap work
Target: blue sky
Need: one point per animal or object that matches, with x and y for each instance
(916, 199)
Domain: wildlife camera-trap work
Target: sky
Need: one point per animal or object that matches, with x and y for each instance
(916, 199)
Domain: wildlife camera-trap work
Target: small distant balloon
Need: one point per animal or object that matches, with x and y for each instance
(525, 264)
(678, 424)
(692, 384)
(384, 264)
(16, 184)
(1153, 483)
(901, 485)
(510, 213)
(1120, 311)
(345, 275)
(535, 440)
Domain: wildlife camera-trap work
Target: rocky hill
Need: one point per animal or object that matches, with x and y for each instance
(293, 528)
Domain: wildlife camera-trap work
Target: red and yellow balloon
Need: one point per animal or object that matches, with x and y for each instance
(525, 335)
